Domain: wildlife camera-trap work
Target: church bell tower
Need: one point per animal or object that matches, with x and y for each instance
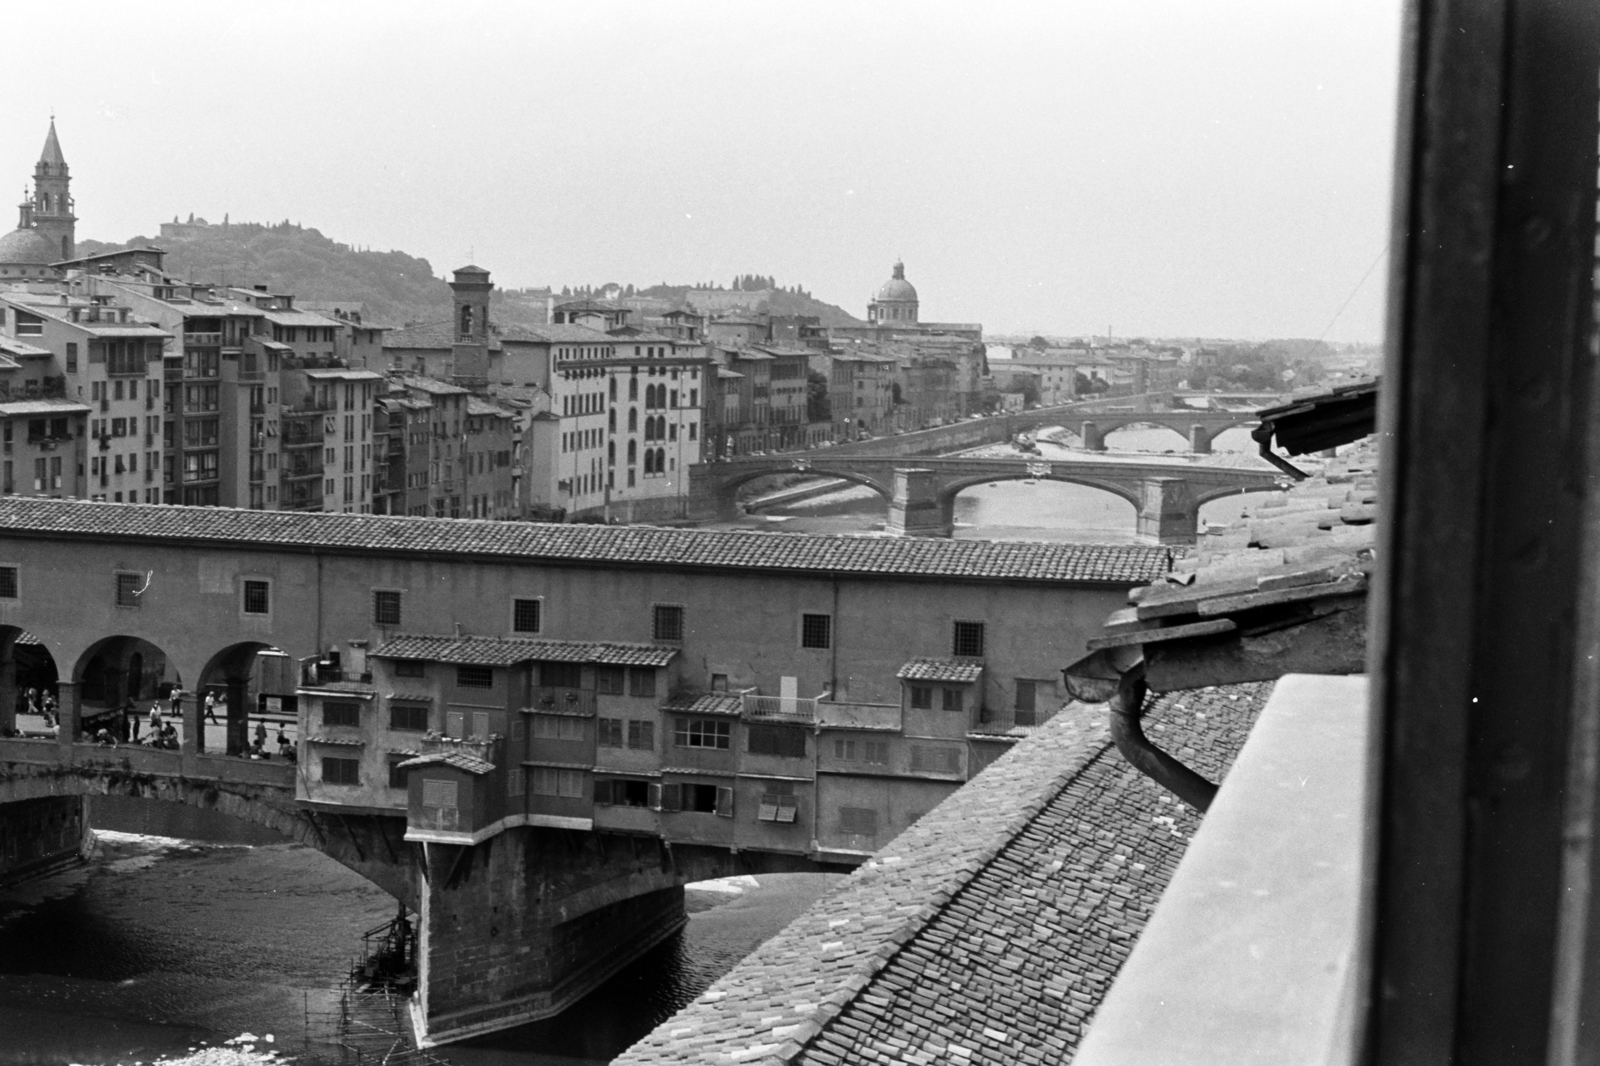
(52, 197)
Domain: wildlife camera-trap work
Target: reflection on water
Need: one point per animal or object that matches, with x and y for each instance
(160, 945)
(1023, 510)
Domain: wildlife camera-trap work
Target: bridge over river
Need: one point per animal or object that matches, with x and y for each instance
(922, 490)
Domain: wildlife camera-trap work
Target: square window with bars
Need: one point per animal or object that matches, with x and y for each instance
(410, 717)
(642, 735)
(967, 640)
(525, 616)
(257, 597)
(9, 585)
(816, 630)
(667, 622)
(129, 587)
(385, 607)
(474, 676)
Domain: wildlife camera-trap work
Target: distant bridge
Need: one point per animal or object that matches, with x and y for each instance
(922, 490)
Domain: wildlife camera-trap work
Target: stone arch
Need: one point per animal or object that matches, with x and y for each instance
(25, 664)
(236, 676)
(729, 488)
(104, 681)
(1131, 493)
(371, 847)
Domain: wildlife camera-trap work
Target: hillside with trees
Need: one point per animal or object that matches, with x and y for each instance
(397, 289)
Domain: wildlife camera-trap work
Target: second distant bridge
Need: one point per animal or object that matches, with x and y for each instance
(922, 490)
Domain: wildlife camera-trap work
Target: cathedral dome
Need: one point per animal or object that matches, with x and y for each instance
(26, 247)
(898, 288)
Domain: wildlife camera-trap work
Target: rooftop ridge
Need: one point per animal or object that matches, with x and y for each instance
(976, 560)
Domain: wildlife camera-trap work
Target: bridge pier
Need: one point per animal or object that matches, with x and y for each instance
(1199, 440)
(1093, 439)
(69, 714)
(521, 926)
(1168, 513)
(915, 510)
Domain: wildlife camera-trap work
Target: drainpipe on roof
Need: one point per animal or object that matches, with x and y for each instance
(1127, 708)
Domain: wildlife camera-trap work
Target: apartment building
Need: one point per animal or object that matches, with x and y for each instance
(44, 437)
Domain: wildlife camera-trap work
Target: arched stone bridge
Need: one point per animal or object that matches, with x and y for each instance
(258, 792)
(922, 491)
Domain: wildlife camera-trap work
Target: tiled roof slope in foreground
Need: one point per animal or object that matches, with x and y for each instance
(586, 544)
(989, 931)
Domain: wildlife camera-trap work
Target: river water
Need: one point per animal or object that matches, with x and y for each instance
(1043, 510)
(186, 930)
(159, 945)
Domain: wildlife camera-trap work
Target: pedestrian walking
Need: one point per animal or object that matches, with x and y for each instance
(177, 700)
(130, 722)
(211, 708)
(261, 732)
(155, 721)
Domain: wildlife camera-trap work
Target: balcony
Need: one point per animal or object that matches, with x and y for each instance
(556, 700)
(314, 672)
(780, 708)
(1251, 952)
(883, 716)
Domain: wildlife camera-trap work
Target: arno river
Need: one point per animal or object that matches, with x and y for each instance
(182, 932)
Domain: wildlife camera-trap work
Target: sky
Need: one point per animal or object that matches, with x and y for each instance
(1152, 168)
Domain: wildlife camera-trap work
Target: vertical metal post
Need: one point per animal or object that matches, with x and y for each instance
(1487, 420)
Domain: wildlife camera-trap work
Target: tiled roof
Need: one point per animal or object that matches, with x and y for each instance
(301, 318)
(990, 930)
(476, 406)
(961, 670)
(505, 651)
(593, 545)
(554, 333)
(342, 742)
(460, 760)
(433, 387)
(343, 373)
(704, 703)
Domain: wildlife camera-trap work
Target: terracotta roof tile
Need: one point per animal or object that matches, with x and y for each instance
(593, 544)
(704, 703)
(955, 670)
(460, 760)
(505, 651)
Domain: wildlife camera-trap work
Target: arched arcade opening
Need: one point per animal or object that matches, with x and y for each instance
(118, 681)
(1043, 509)
(28, 680)
(244, 702)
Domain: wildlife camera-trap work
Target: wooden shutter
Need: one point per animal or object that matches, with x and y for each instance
(655, 797)
(788, 807)
(672, 797)
(725, 802)
(602, 791)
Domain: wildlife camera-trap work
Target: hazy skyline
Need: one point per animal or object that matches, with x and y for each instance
(1162, 168)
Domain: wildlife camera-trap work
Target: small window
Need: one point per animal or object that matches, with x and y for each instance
(922, 697)
(410, 717)
(719, 682)
(525, 616)
(668, 623)
(701, 733)
(952, 699)
(1026, 694)
(410, 668)
(858, 821)
(385, 607)
(623, 793)
(641, 681)
(816, 631)
(928, 759)
(129, 586)
(336, 771)
(610, 680)
(257, 598)
(608, 732)
(785, 740)
(341, 713)
(641, 735)
(967, 640)
(551, 782)
(8, 583)
(475, 676)
(397, 776)
(557, 727)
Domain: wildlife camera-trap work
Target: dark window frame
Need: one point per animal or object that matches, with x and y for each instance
(816, 631)
(527, 614)
(474, 675)
(388, 607)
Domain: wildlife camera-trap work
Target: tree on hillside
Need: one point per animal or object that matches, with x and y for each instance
(1038, 342)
